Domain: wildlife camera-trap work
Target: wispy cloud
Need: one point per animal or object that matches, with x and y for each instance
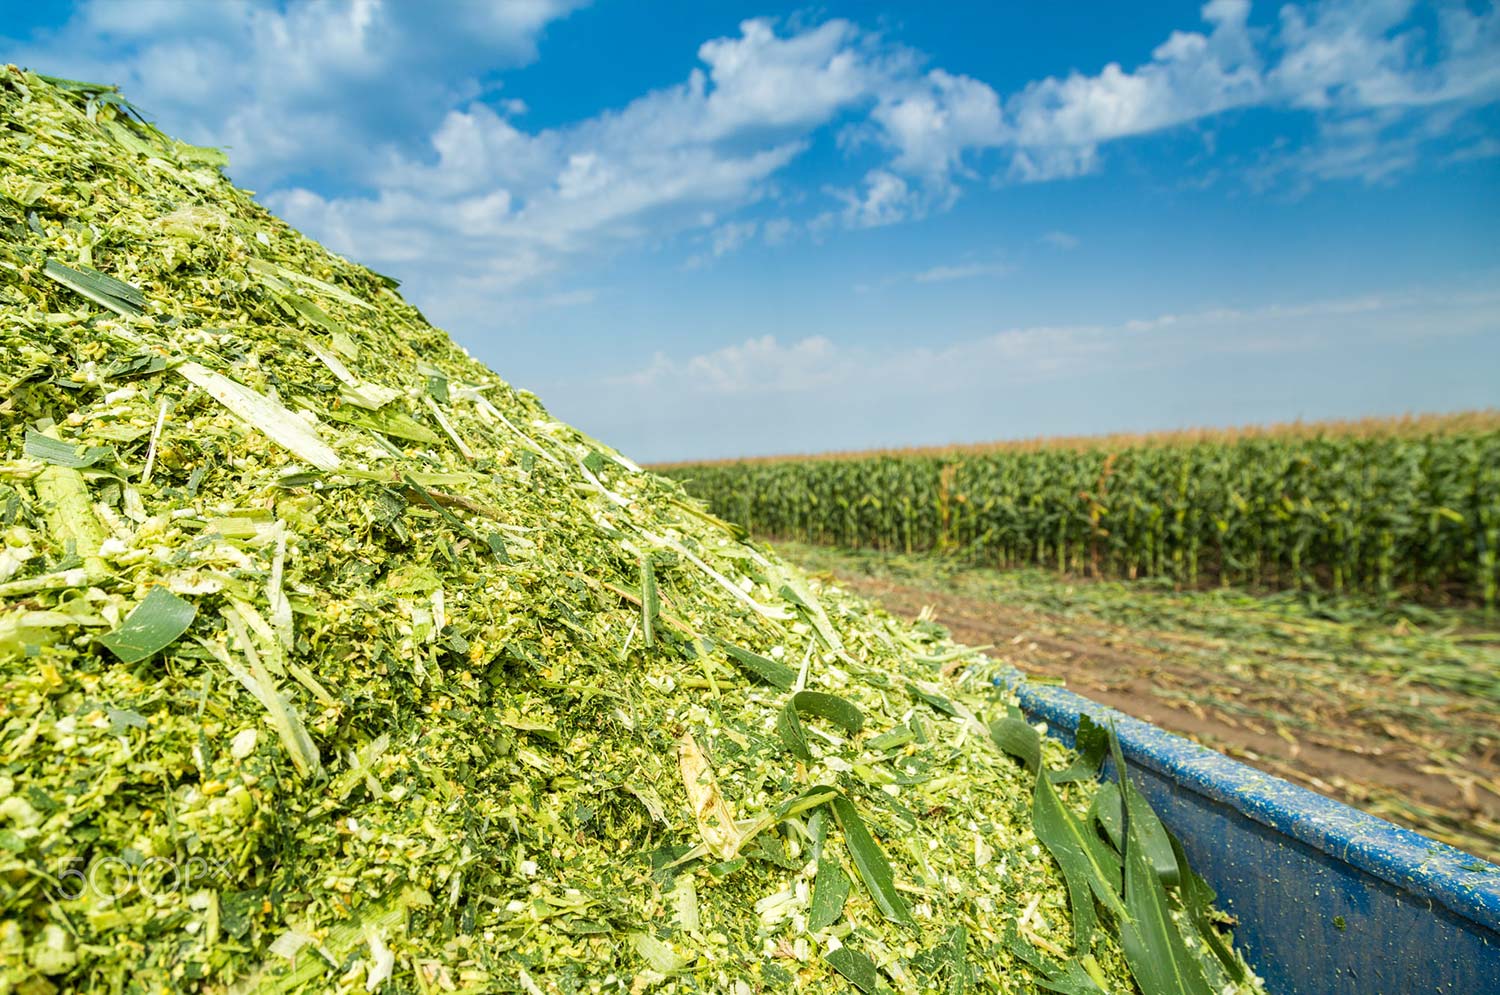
(1061, 240)
(778, 230)
(759, 365)
(961, 271)
(765, 364)
(817, 393)
(723, 240)
(967, 269)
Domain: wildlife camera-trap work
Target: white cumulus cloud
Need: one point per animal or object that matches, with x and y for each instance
(289, 87)
(1059, 122)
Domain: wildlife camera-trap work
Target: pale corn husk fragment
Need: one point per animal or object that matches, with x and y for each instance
(713, 815)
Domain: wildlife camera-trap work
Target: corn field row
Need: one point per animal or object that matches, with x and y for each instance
(1341, 513)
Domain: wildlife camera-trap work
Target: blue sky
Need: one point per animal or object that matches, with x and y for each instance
(712, 229)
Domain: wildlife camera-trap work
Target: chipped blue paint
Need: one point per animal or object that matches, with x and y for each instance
(1328, 898)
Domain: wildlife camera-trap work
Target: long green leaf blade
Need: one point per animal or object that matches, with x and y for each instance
(1086, 865)
(827, 706)
(768, 670)
(868, 859)
(1154, 948)
(1140, 817)
(858, 969)
(1107, 809)
(59, 453)
(1070, 978)
(935, 701)
(650, 601)
(1197, 899)
(151, 626)
(830, 892)
(1091, 743)
(1019, 740)
(118, 296)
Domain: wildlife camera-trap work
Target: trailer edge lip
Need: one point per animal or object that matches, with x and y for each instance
(1459, 881)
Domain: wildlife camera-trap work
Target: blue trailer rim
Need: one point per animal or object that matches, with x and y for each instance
(1420, 915)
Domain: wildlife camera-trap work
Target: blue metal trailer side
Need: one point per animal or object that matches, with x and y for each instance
(1328, 899)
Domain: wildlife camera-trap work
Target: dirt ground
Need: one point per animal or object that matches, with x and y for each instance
(1343, 737)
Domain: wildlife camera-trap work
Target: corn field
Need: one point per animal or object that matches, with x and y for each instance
(1375, 514)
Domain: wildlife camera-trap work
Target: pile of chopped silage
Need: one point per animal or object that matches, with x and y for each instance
(330, 661)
